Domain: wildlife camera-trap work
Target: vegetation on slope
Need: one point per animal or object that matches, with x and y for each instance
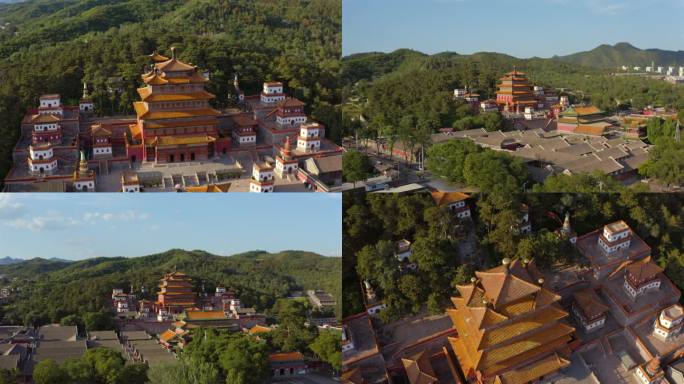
(614, 56)
(52, 290)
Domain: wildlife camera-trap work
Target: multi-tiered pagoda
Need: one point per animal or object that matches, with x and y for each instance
(175, 294)
(510, 326)
(175, 122)
(515, 92)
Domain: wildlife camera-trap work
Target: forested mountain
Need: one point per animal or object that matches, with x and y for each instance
(613, 56)
(409, 89)
(52, 289)
(53, 46)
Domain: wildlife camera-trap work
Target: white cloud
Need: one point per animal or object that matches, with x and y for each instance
(9, 208)
(42, 223)
(128, 215)
(611, 7)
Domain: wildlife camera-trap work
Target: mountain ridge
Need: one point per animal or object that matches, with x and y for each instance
(623, 53)
(603, 56)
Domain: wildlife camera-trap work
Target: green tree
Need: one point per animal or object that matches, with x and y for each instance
(245, 361)
(327, 347)
(447, 160)
(49, 372)
(292, 333)
(98, 321)
(665, 162)
(9, 376)
(355, 166)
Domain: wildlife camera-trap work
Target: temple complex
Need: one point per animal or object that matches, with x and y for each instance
(175, 122)
(515, 93)
(587, 120)
(177, 141)
(510, 326)
(175, 295)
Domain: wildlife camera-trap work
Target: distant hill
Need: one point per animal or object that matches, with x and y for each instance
(611, 56)
(9, 260)
(258, 277)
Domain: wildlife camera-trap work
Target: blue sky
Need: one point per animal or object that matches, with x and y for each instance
(78, 226)
(522, 28)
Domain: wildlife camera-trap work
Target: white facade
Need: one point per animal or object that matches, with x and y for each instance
(262, 174)
(488, 107)
(615, 236)
(86, 106)
(220, 291)
(375, 309)
(347, 343)
(458, 93)
(528, 113)
(131, 188)
(665, 326)
(45, 127)
(272, 93)
(121, 306)
(42, 160)
(636, 292)
(102, 151)
(564, 101)
(50, 102)
(457, 207)
(259, 188)
(308, 145)
(248, 139)
(40, 153)
(50, 105)
(282, 169)
(290, 120)
(85, 185)
(262, 179)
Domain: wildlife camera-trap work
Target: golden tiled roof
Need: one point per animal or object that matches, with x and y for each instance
(502, 287)
(539, 339)
(259, 329)
(520, 327)
(590, 110)
(205, 315)
(44, 118)
(444, 198)
(157, 58)
(195, 78)
(287, 356)
(167, 335)
(219, 188)
(154, 97)
(143, 112)
(174, 65)
(154, 79)
(534, 371)
(162, 141)
(173, 124)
